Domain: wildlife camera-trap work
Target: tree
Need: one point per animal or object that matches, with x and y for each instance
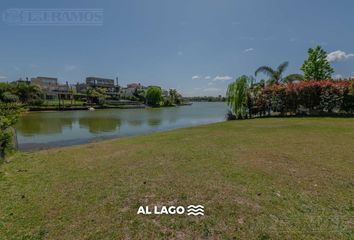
(9, 113)
(293, 77)
(276, 76)
(173, 95)
(6, 93)
(27, 92)
(96, 95)
(139, 94)
(237, 97)
(4, 88)
(153, 96)
(316, 66)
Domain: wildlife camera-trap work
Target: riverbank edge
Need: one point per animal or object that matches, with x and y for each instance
(59, 145)
(109, 139)
(76, 108)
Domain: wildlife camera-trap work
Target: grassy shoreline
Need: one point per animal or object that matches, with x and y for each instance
(258, 179)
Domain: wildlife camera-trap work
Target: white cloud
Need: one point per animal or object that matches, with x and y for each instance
(69, 68)
(210, 83)
(207, 77)
(222, 78)
(248, 50)
(195, 77)
(338, 55)
(3, 77)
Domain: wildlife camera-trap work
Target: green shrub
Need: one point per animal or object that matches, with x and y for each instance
(9, 113)
(314, 96)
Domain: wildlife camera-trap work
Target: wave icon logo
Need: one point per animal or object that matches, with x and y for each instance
(195, 210)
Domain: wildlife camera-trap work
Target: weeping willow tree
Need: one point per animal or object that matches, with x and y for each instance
(237, 96)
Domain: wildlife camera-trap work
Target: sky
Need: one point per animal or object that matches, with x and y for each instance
(195, 46)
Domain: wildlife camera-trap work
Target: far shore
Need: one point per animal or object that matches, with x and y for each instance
(75, 108)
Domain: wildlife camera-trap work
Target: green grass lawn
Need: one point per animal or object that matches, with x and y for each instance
(258, 179)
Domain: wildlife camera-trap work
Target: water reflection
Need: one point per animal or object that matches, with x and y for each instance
(99, 125)
(135, 122)
(154, 122)
(32, 124)
(75, 127)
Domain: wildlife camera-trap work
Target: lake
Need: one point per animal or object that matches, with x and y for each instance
(40, 130)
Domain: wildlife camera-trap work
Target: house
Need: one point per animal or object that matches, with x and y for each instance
(126, 93)
(134, 85)
(131, 90)
(46, 84)
(101, 83)
(51, 89)
(105, 83)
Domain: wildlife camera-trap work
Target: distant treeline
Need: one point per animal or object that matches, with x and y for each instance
(206, 99)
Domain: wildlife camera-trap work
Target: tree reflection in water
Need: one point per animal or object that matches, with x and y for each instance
(39, 129)
(43, 123)
(99, 124)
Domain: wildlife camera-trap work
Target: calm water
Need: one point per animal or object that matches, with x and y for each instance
(39, 130)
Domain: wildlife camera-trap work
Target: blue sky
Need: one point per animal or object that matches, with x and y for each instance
(196, 46)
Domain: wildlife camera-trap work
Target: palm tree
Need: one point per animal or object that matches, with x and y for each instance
(293, 77)
(276, 76)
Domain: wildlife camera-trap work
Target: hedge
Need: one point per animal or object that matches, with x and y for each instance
(308, 97)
